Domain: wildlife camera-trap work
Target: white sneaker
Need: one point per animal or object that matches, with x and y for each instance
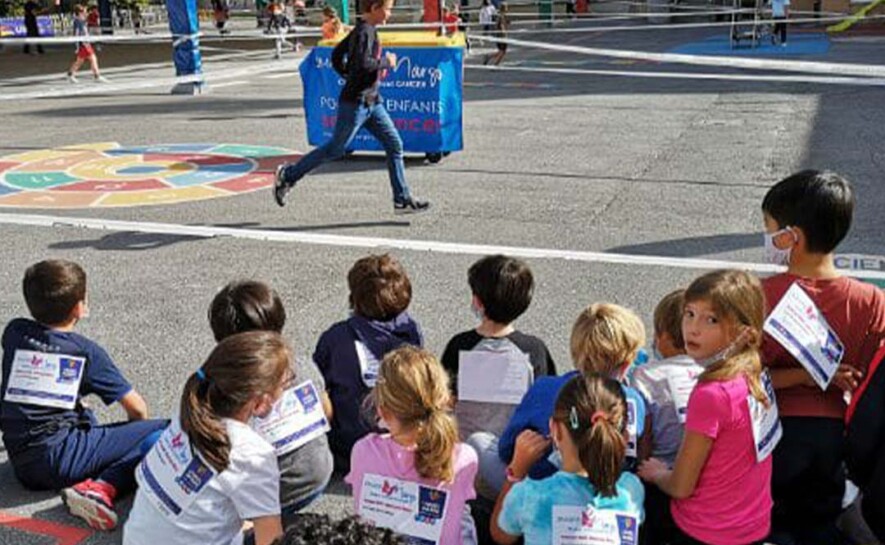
(72, 78)
(101, 79)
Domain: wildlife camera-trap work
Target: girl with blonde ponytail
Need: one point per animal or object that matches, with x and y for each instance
(209, 471)
(589, 428)
(720, 484)
(418, 468)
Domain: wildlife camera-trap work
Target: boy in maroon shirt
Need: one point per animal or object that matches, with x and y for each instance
(806, 216)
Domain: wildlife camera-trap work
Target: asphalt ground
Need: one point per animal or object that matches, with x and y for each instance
(578, 162)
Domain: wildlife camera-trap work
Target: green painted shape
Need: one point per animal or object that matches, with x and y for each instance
(248, 151)
(38, 180)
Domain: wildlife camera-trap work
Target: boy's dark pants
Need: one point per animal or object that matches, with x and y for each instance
(89, 451)
(808, 482)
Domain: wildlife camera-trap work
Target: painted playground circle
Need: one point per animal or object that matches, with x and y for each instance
(111, 175)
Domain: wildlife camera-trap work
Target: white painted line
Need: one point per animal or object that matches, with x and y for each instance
(826, 80)
(280, 76)
(393, 243)
(229, 84)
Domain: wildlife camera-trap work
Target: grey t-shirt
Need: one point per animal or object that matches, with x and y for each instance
(308, 467)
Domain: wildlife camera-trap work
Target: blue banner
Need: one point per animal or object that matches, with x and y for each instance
(14, 27)
(422, 94)
(183, 22)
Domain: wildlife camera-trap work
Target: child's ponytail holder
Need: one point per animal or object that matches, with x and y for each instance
(597, 416)
(201, 375)
(573, 419)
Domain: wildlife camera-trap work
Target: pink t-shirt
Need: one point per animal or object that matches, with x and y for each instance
(381, 455)
(731, 504)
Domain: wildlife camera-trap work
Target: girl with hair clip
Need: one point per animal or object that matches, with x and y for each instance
(720, 484)
(209, 471)
(417, 478)
(591, 499)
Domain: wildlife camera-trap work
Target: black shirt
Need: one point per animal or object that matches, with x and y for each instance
(357, 58)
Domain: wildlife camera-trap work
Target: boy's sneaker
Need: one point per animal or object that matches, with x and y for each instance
(280, 188)
(410, 206)
(72, 78)
(101, 79)
(92, 501)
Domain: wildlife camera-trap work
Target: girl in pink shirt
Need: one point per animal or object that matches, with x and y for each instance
(720, 490)
(416, 479)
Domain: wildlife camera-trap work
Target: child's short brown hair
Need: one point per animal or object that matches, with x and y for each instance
(368, 5)
(379, 287)
(668, 317)
(52, 289)
(605, 337)
(330, 12)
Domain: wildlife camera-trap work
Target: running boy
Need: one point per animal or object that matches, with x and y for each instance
(806, 217)
(359, 60)
(502, 291)
(53, 441)
(349, 353)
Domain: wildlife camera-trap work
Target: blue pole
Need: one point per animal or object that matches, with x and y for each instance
(183, 22)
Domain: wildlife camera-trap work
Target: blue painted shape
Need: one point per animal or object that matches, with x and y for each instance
(146, 169)
(161, 148)
(5, 189)
(720, 46)
(207, 174)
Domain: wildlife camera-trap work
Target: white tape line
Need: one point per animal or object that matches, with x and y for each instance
(229, 84)
(392, 243)
(822, 80)
(828, 68)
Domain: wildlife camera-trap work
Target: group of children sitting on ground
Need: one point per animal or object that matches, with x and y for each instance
(724, 438)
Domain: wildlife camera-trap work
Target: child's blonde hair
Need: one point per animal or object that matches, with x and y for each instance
(738, 300)
(605, 338)
(414, 388)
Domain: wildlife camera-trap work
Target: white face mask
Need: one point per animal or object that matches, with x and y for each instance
(775, 255)
(477, 311)
(734, 348)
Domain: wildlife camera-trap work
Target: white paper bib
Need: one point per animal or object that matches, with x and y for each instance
(45, 379)
(493, 377)
(632, 429)
(369, 364)
(767, 430)
(407, 508)
(574, 525)
(681, 382)
(296, 419)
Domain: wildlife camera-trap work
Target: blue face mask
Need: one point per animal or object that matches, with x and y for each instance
(656, 353)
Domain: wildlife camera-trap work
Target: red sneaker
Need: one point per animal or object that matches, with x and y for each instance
(92, 501)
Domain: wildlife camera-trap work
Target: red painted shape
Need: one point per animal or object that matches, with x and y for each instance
(6, 165)
(195, 158)
(113, 185)
(64, 535)
(249, 182)
(270, 164)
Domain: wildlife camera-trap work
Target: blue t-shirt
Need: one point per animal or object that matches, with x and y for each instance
(535, 410)
(27, 426)
(528, 507)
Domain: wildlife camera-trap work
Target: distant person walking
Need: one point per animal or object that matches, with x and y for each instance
(32, 30)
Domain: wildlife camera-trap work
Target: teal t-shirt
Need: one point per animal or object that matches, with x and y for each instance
(528, 507)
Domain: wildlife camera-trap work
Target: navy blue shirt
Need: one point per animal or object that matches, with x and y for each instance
(27, 426)
(348, 355)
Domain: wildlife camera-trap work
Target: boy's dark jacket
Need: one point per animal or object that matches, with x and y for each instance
(357, 58)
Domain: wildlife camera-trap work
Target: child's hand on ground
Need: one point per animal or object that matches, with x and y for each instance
(530, 447)
(847, 378)
(653, 470)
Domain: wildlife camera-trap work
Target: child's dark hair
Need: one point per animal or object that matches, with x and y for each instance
(330, 12)
(504, 285)
(240, 368)
(316, 529)
(52, 288)
(246, 305)
(821, 203)
(668, 317)
(593, 409)
(368, 5)
(379, 287)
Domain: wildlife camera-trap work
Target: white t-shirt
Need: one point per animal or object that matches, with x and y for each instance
(658, 381)
(779, 8)
(249, 488)
(487, 15)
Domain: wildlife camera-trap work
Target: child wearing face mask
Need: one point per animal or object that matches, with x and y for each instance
(806, 216)
(720, 484)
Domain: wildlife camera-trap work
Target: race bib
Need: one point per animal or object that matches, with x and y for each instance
(369, 364)
(767, 430)
(410, 509)
(681, 383)
(574, 525)
(632, 429)
(171, 475)
(47, 380)
(493, 377)
(798, 325)
(296, 419)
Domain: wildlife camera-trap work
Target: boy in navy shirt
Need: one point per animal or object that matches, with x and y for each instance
(359, 60)
(53, 440)
(349, 353)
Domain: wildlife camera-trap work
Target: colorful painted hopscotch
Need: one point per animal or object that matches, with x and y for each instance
(107, 174)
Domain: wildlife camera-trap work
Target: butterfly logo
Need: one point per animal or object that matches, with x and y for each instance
(588, 518)
(388, 489)
(177, 441)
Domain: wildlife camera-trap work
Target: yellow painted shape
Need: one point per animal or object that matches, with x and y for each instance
(419, 38)
(55, 153)
(98, 146)
(105, 168)
(849, 22)
(161, 196)
(46, 199)
(58, 164)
